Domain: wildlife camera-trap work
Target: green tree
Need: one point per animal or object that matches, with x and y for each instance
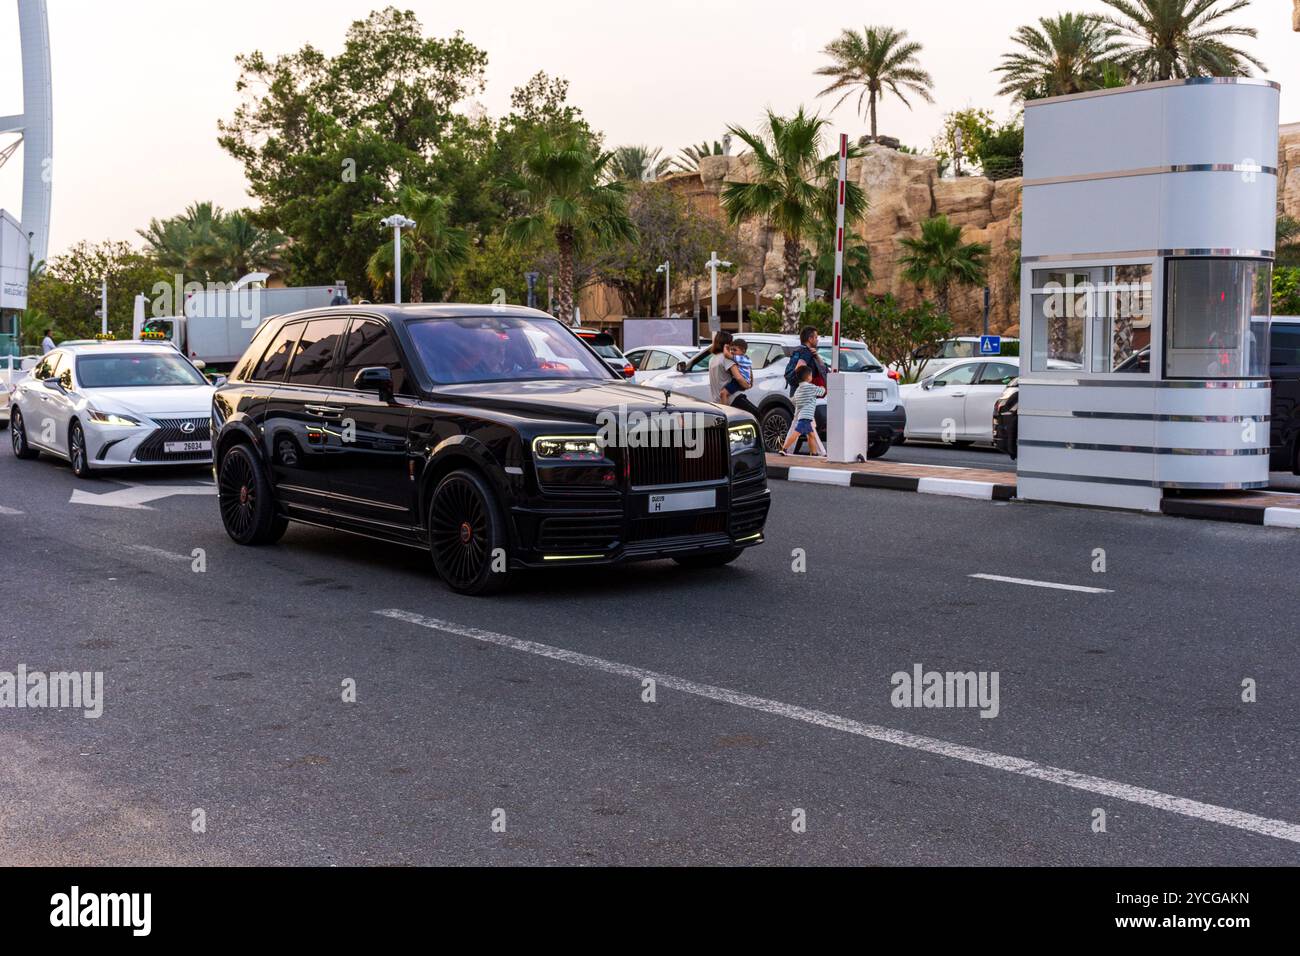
(877, 61)
(975, 126)
(819, 256)
(1168, 39)
(792, 185)
(433, 250)
(939, 259)
(1001, 153)
(496, 268)
(1286, 290)
(564, 186)
(67, 292)
(325, 139)
(207, 244)
(1287, 245)
(1064, 54)
(634, 164)
(667, 230)
(902, 337)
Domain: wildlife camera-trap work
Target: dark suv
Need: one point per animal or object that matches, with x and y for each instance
(492, 436)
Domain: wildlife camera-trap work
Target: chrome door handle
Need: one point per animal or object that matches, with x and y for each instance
(957, 394)
(326, 411)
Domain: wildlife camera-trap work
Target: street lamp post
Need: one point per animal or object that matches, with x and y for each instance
(666, 268)
(712, 265)
(397, 223)
(958, 139)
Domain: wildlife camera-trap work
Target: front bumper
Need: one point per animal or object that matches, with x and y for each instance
(145, 445)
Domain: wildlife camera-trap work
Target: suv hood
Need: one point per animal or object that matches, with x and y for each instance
(578, 402)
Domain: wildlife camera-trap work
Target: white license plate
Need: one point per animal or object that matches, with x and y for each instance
(875, 395)
(683, 501)
(184, 447)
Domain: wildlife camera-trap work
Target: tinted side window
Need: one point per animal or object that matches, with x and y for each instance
(276, 359)
(1286, 346)
(997, 373)
(658, 360)
(369, 345)
(314, 357)
(45, 367)
(244, 371)
(958, 374)
(701, 364)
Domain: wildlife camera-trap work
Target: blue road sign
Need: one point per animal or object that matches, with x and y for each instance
(990, 345)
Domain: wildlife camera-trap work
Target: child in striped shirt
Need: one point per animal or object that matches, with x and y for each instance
(805, 411)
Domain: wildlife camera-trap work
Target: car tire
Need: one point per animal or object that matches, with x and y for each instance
(78, 453)
(467, 534)
(714, 559)
(877, 448)
(773, 426)
(246, 501)
(18, 439)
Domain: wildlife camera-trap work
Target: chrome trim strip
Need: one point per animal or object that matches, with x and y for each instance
(1145, 449)
(1153, 171)
(1109, 258)
(1159, 84)
(1143, 416)
(1153, 383)
(1143, 483)
(335, 496)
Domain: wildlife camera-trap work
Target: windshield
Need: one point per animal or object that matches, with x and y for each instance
(501, 349)
(852, 359)
(136, 370)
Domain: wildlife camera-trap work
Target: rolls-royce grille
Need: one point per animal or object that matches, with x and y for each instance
(707, 461)
(582, 534)
(678, 526)
(153, 448)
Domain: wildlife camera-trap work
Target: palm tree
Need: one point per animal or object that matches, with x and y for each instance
(689, 159)
(875, 61)
(938, 258)
(793, 184)
(1064, 54)
(565, 185)
(637, 164)
(432, 249)
(821, 257)
(1169, 39)
(206, 243)
(246, 247)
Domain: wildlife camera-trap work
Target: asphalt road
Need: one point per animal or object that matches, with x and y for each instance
(223, 692)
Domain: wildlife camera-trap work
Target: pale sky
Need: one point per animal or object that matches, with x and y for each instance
(140, 84)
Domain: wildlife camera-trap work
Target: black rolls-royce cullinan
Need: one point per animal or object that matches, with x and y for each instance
(492, 436)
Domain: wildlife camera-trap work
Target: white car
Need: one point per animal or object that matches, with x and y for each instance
(650, 361)
(951, 351)
(12, 368)
(770, 353)
(956, 404)
(114, 405)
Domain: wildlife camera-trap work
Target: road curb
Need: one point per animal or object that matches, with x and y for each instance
(952, 487)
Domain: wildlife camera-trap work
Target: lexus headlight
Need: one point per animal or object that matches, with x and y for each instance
(743, 438)
(109, 418)
(568, 448)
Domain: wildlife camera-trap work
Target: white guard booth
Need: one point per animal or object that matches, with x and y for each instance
(1148, 233)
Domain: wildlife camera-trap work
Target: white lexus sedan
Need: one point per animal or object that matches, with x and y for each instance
(956, 404)
(113, 405)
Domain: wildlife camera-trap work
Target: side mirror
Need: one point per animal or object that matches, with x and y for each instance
(681, 366)
(375, 379)
(53, 384)
(926, 383)
(219, 381)
(937, 383)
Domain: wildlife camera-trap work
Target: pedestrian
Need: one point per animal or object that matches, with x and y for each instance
(47, 343)
(805, 410)
(743, 374)
(724, 372)
(805, 354)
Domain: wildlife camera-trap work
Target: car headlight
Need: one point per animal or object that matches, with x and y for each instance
(568, 448)
(109, 418)
(743, 438)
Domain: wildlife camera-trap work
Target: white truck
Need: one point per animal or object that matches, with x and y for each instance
(217, 325)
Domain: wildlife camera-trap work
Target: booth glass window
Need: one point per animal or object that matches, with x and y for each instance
(1217, 317)
(1095, 318)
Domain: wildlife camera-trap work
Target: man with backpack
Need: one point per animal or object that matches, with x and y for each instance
(805, 355)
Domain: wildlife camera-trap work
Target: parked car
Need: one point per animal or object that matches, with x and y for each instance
(956, 404)
(477, 434)
(652, 360)
(603, 344)
(12, 368)
(1284, 368)
(770, 352)
(951, 351)
(113, 405)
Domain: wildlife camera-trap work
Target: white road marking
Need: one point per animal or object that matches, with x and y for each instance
(819, 476)
(158, 552)
(1041, 584)
(1195, 809)
(135, 496)
(9, 511)
(955, 487)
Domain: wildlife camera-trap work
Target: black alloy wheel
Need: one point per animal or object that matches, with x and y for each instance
(244, 496)
(467, 535)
